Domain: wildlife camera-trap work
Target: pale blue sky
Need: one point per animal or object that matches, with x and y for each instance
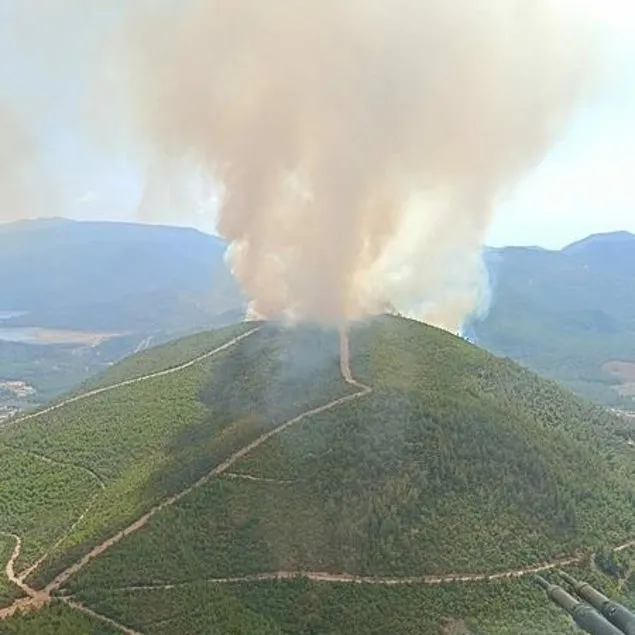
(586, 184)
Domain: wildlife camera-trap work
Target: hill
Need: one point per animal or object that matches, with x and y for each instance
(235, 482)
(77, 296)
(569, 314)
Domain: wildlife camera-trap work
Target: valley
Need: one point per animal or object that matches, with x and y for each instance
(77, 297)
(44, 336)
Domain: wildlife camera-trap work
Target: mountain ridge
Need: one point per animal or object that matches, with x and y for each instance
(565, 313)
(139, 285)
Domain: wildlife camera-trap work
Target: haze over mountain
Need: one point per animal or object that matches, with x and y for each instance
(236, 481)
(567, 314)
(112, 276)
(76, 296)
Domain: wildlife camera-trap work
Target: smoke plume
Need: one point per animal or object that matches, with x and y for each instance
(16, 155)
(358, 146)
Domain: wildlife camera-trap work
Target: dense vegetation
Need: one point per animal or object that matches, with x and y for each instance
(56, 619)
(301, 606)
(457, 462)
(56, 368)
(565, 313)
(40, 500)
(8, 591)
(277, 608)
(153, 438)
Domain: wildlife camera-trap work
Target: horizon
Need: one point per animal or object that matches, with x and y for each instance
(582, 186)
(167, 225)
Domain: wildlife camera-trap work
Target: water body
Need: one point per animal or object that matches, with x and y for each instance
(25, 335)
(43, 336)
(11, 334)
(47, 336)
(7, 315)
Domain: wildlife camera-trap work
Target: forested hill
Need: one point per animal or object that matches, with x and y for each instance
(567, 314)
(234, 482)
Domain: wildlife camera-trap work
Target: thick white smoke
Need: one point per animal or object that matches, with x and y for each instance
(359, 146)
(16, 163)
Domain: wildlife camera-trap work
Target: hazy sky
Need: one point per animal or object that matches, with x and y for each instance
(585, 185)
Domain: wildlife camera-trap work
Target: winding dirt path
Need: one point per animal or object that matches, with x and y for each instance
(34, 599)
(129, 382)
(255, 479)
(37, 598)
(347, 578)
(98, 616)
(429, 580)
(10, 566)
(625, 546)
(23, 575)
(64, 576)
(48, 459)
(45, 594)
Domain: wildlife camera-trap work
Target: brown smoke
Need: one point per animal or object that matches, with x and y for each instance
(359, 145)
(16, 155)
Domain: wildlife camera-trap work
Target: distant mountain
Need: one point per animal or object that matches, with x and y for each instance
(146, 284)
(567, 314)
(248, 492)
(112, 276)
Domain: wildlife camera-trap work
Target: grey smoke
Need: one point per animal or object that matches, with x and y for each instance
(359, 147)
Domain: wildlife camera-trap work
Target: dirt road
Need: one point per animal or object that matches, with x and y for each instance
(37, 598)
(34, 599)
(128, 382)
(43, 596)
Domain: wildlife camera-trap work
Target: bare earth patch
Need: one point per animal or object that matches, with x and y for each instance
(624, 372)
(53, 336)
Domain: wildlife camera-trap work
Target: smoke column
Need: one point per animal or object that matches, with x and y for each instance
(16, 154)
(359, 146)
(345, 356)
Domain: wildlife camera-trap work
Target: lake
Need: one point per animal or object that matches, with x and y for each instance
(18, 334)
(7, 315)
(40, 335)
(43, 336)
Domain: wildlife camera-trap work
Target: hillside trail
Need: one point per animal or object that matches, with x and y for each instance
(24, 574)
(256, 479)
(37, 598)
(221, 468)
(128, 382)
(45, 594)
(428, 580)
(625, 546)
(78, 606)
(34, 599)
(321, 576)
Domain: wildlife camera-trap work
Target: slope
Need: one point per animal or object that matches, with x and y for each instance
(439, 466)
(565, 314)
